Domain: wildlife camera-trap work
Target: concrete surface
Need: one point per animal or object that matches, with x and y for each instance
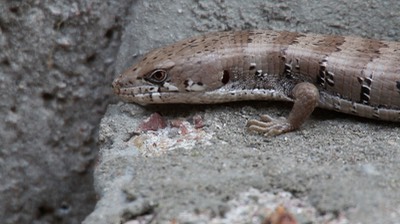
(344, 168)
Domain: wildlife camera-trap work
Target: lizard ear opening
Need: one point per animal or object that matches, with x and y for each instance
(225, 77)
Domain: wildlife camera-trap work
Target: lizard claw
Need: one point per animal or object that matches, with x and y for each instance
(269, 126)
(267, 118)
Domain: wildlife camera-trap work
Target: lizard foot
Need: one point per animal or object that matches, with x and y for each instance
(305, 96)
(270, 126)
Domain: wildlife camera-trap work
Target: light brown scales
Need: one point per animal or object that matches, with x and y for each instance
(351, 75)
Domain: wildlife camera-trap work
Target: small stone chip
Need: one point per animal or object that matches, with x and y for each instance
(153, 123)
(198, 121)
(280, 216)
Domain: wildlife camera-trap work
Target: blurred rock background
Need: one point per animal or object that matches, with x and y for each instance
(56, 66)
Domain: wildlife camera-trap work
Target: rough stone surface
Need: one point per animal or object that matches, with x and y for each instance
(56, 64)
(342, 166)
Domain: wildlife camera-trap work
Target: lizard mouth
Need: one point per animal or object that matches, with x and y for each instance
(139, 87)
(145, 95)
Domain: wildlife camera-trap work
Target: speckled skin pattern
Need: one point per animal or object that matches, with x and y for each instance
(346, 74)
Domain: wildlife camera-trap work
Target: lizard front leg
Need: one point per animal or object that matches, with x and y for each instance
(306, 97)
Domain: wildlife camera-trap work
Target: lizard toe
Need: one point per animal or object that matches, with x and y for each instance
(272, 127)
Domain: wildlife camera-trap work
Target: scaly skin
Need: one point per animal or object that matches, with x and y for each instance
(346, 74)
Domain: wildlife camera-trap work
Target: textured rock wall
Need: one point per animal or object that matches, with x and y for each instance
(56, 65)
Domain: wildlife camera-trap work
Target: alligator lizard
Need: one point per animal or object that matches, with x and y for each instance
(346, 74)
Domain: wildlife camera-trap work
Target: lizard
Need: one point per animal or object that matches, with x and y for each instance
(351, 75)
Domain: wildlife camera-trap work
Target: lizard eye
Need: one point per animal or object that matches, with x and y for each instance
(157, 76)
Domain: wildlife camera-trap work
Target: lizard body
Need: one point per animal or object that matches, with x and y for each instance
(346, 74)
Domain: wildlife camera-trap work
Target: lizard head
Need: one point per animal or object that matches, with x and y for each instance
(179, 73)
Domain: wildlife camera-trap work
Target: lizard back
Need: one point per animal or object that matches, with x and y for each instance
(353, 75)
